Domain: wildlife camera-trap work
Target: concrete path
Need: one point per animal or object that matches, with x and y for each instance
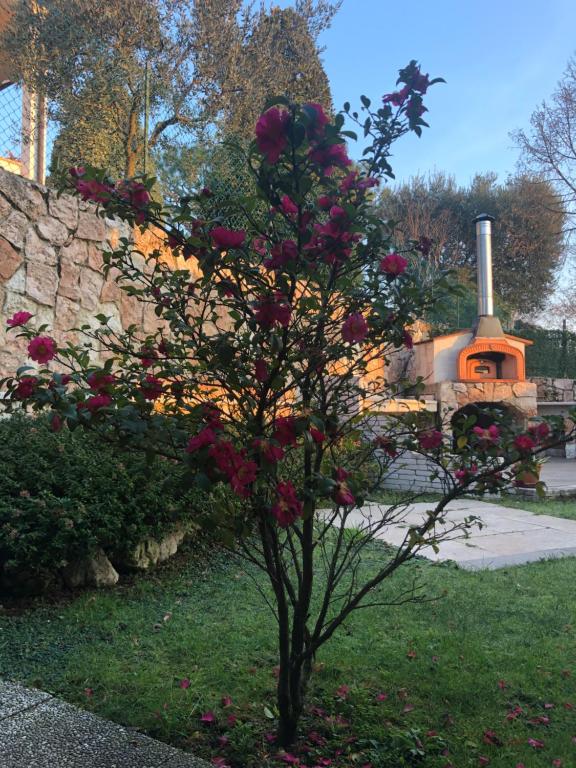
(560, 477)
(39, 731)
(507, 537)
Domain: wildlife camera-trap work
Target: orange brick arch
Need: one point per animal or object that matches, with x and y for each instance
(486, 346)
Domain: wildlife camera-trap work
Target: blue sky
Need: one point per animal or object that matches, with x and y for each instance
(499, 58)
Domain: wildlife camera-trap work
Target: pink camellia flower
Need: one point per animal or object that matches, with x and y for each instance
(317, 435)
(540, 432)
(288, 206)
(483, 760)
(42, 349)
(98, 381)
(288, 506)
(342, 494)
(227, 238)
(261, 370)
(226, 701)
(415, 108)
(77, 171)
(56, 422)
(18, 318)
(151, 388)
(272, 310)
(324, 202)
(430, 440)
(343, 691)
(271, 133)
(387, 445)
(96, 402)
(25, 387)
(328, 158)
(536, 743)
(393, 264)
(94, 190)
(205, 437)
(397, 98)
(245, 472)
(381, 696)
(288, 757)
(272, 453)
(420, 82)
(490, 435)
(285, 430)
(148, 357)
(524, 443)
(354, 328)
(281, 254)
(208, 717)
(139, 195)
(185, 683)
(231, 721)
(259, 246)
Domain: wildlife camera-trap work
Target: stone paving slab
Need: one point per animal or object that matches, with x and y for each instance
(40, 731)
(507, 537)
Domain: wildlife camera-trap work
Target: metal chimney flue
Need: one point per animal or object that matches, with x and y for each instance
(484, 264)
(487, 324)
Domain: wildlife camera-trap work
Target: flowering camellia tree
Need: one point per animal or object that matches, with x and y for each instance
(268, 363)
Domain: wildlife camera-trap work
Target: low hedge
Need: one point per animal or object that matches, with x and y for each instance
(64, 495)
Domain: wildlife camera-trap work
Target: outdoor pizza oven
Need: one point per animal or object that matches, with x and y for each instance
(490, 356)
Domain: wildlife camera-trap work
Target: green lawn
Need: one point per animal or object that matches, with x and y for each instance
(555, 507)
(455, 666)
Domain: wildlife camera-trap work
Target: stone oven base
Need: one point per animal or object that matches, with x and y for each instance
(519, 396)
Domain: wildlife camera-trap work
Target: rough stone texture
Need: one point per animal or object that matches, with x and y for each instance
(451, 396)
(150, 552)
(41, 283)
(37, 249)
(555, 390)
(51, 265)
(64, 208)
(52, 230)
(94, 571)
(38, 731)
(10, 259)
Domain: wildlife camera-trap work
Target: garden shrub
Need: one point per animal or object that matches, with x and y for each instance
(63, 495)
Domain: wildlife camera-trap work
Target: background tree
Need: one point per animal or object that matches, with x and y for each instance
(528, 246)
(205, 61)
(281, 56)
(549, 146)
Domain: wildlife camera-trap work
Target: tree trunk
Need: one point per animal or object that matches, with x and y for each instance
(293, 681)
(131, 147)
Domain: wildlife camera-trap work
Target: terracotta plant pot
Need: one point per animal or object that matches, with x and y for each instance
(528, 478)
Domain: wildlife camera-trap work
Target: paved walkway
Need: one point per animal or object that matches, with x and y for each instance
(507, 537)
(39, 731)
(560, 477)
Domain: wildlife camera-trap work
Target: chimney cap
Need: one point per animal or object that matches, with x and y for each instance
(484, 217)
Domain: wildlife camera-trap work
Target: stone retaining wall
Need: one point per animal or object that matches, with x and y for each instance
(51, 265)
(555, 390)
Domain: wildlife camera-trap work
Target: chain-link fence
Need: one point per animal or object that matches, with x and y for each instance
(26, 133)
